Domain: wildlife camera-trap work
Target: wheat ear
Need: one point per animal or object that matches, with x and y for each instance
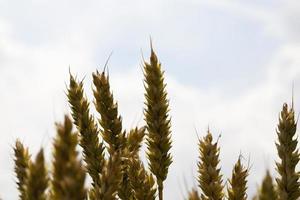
(134, 140)
(110, 121)
(110, 180)
(267, 190)
(158, 121)
(68, 173)
(209, 178)
(133, 144)
(142, 182)
(22, 160)
(37, 183)
(288, 181)
(238, 182)
(93, 150)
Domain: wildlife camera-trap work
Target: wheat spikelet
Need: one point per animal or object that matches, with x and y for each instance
(110, 121)
(158, 121)
(68, 173)
(238, 182)
(193, 195)
(267, 190)
(288, 182)
(209, 179)
(142, 182)
(37, 183)
(22, 160)
(93, 150)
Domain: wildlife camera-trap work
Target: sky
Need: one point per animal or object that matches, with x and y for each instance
(229, 66)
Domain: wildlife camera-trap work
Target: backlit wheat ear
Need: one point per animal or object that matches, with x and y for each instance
(93, 150)
(193, 195)
(38, 179)
(68, 173)
(22, 160)
(142, 182)
(238, 182)
(158, 121)
(288, 181)
(209, 178)
(110, 120)
(267, 190)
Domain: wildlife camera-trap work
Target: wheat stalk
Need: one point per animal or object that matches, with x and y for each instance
(37, 183)
(158, 121)
(93, 150)
(238, 182)
(209, 179)
(288, 182)
(68, 173)
(22, 160)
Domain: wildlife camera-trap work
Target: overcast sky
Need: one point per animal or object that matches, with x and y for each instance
(229, 65)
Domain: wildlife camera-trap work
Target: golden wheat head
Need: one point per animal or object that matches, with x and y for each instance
(267, 190)
(110, 180)
(238, 182)
(38, 179)
(142, 182)
(68, 173)
(288, 182)
(22, 161)
(209, 179)
(158, 121)
(110, 121)
(93, 150)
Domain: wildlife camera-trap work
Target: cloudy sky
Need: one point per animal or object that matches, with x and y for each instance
(229, 65)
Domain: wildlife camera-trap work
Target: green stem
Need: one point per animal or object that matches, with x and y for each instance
(160, 190)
